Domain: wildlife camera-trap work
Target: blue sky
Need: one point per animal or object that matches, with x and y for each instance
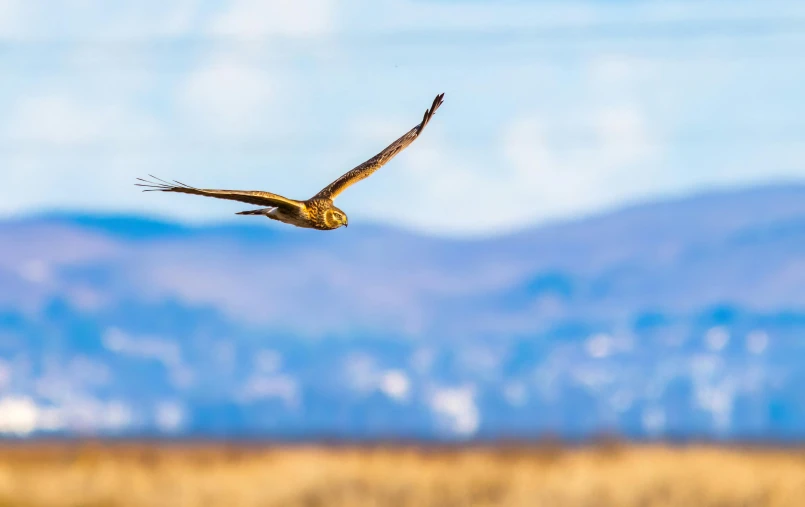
(553, 109)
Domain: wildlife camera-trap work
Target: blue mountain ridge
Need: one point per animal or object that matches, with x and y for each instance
(675, 319)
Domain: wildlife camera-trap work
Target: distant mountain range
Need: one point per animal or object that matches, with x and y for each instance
(673, 319)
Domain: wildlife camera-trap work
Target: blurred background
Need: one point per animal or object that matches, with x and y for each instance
(601, 233)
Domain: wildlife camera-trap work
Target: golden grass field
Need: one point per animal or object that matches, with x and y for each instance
(176, 475)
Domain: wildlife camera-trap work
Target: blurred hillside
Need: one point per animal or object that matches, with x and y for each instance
(671, 319)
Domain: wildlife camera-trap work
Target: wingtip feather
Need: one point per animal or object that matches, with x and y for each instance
(438, 101)
(156, 184)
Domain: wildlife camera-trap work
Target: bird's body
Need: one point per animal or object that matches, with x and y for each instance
(318, 212)
(311, 214)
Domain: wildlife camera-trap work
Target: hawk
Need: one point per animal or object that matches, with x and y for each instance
(318, 212)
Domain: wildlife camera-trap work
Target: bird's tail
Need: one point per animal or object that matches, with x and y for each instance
(261, 211)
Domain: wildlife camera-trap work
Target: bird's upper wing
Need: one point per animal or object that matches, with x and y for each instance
(373, 164)
(250, 196)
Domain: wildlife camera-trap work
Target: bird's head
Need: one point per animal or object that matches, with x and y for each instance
(336, 218)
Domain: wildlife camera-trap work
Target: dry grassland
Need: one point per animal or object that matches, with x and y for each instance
(135, 475)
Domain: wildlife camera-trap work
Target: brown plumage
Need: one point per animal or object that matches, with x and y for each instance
(318, 212)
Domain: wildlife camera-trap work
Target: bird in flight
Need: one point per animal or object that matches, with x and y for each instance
(318, 212)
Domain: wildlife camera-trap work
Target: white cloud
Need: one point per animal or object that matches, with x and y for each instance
(63, 120)
(472, 14)
(11, 17)
(35, 271)
(395, 384)
(600, 345)
(156, 18)
(437, 176)
(117, 415)
(85, 414)
(537, 173)
(757, 342)
(262, 387)
(516, 394)
(361, 371)
(567, 176)
(268, 361)
(259, 18)
(422, 360)
(88, 19)
(18, 415)
(588, 166)
(653, 419)
(169, 416)
(717, 338)
(21, 415)
(717, 399)
(458, 407)
(622, 400)
(48, 135)
(525, 146)
(610, 70)
(540, 137)
(623, 136)
(165, 351)
(6, 374)
(87, 371)
(554, 183)
(228, 95)
(386, 15)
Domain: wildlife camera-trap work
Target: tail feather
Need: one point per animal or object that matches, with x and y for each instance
(261, 211)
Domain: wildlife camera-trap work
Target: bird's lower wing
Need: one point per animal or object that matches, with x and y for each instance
(255, 197)
(373, 164)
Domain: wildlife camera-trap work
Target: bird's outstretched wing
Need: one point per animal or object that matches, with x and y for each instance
(249, 196)
(373, 164)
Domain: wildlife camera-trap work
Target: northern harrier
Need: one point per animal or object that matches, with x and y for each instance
(318, 212)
